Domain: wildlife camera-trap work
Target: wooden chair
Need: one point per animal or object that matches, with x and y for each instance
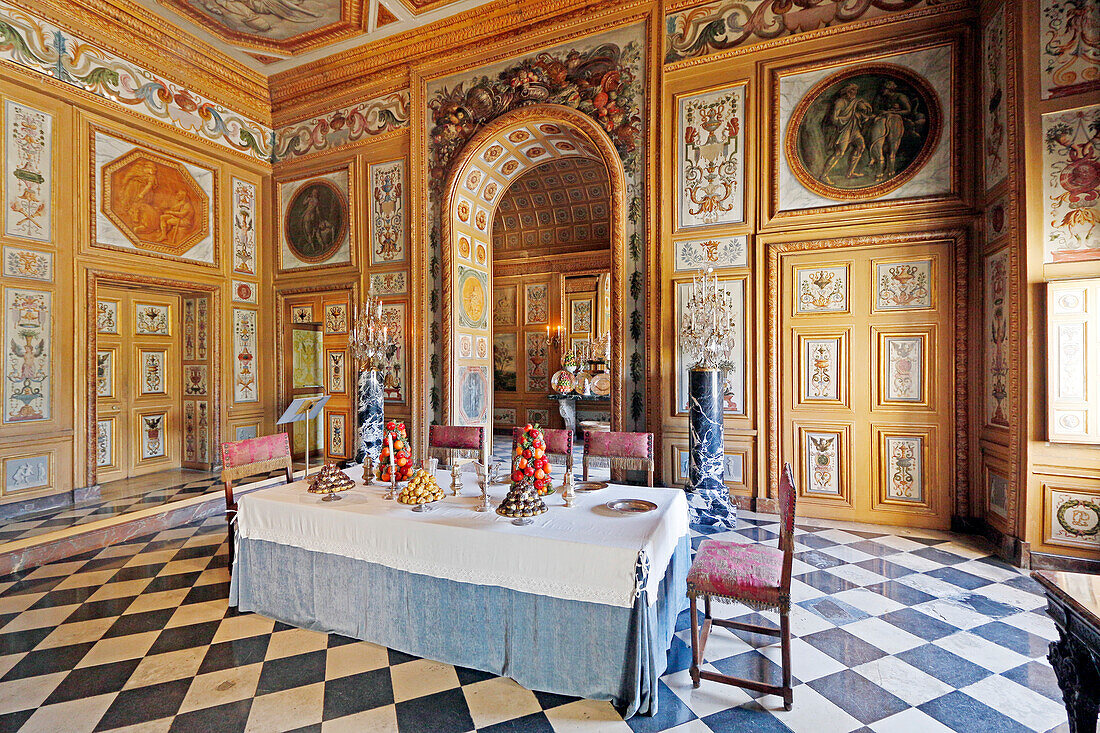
(559, 446)
(242, 458)
(756, 575)
(628, 451)
(450, 443)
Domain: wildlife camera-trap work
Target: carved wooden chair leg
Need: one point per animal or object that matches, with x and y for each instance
(785, 641)
(696, 652)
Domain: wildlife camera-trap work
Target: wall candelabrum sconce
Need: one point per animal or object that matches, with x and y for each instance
(707, 338)
(371, 346)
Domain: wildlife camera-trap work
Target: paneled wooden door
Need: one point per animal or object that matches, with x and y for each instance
(867, 382)
(138, 384)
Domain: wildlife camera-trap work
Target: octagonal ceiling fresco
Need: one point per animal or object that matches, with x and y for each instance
(270, 31)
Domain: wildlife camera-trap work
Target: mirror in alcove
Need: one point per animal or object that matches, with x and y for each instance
(307, 374)
(551, 291)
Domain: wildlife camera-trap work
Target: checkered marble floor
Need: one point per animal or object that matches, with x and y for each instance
(38, 523)
(894, 632)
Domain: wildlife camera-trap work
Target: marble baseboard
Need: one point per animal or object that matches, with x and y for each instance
(63, 543)
(16, 509)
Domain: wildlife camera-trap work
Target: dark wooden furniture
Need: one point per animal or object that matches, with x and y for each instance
(756, 575)
(242, 458)
(1073, 601)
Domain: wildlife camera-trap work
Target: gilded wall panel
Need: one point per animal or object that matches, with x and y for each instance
(711, 157)
(28, 171)
(995, 99)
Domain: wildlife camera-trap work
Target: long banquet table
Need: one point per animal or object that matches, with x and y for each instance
(581, 602)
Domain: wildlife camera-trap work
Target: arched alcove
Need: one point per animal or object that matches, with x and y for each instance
(491, 161)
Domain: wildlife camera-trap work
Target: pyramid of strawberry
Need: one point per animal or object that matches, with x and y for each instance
(529, 459)
(396, 436)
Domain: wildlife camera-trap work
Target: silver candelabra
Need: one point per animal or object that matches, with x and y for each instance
(708, 326)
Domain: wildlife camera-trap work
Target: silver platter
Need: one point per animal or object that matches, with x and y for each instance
(631, 506)
(583, 486)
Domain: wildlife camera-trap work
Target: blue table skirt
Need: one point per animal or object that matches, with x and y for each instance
(547, 644)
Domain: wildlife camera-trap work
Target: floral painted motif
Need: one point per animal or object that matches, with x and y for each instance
(996, 344)
(725, 24)
(29, 175)
(202, 437)
(105, 373)
(821, 453)
(152, 372)
(301, 314)
(711, 158)
(152, 435)
(1071, 184)
(389, 283)
(104, 443)
(335, 372)
(580, 319)
(536, 304)
(344, 126)
(188, 329)
(336, 318)
(190, 432)
(822, 289)
(201, 329)
(245, 388)
(537, 371)
(994, 91)
(388, 212)
(28, 263)
(821, 371)
(395, 369)
(244, 227)
(1070, 52)
(28, 369)
(905, 468)
(336, 423)
(152, 319)
(717, 252)
(106, 320)
(195, 379)
(904, 372)
(904, 285)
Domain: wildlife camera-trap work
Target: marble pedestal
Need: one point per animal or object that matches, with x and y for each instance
(708, 498)
(371, 415)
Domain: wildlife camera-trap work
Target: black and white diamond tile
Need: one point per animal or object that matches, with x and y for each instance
(893, 633)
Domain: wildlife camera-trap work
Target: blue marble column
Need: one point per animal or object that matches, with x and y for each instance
(709, 500)
(706, 469)
(371, 415)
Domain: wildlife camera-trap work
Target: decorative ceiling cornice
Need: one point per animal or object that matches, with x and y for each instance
(296, 92)
(161, 47)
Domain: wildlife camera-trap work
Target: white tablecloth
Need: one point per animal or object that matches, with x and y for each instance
(585, 553)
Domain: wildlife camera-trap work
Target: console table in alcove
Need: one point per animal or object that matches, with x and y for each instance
(567, 406)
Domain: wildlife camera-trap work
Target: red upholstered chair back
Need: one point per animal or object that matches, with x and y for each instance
(242, 458)
(457, 441)
(786, 497)
(559, 443)
(631, 451)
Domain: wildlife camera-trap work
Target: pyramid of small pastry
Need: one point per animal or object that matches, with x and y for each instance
(523, 500)
(330, 480)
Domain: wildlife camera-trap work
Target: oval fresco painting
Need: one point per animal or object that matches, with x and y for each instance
(316, 221)
(471, 285)
(863, 132)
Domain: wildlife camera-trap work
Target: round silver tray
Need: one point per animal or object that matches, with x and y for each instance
(631, 506)
(582, 486)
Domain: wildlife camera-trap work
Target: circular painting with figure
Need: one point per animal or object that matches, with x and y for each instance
(863, 132)
(316, 221)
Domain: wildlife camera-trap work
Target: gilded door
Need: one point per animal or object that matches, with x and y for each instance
(138, 383)
(867, 382)
(319, 362)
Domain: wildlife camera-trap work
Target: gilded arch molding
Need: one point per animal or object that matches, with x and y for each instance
(457, 192)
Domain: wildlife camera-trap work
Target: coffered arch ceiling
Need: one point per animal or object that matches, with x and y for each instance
(558, 206)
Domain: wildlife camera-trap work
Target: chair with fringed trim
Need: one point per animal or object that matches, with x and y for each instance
(755, 575)
(627, 451)
(242, 458)
(450, 443)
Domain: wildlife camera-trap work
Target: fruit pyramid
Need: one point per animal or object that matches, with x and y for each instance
(530, 476)
(421, 489)
(400, 449)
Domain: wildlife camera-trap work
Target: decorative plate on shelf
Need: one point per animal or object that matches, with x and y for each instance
(562, 382)
(601, 384)
(581, 379)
